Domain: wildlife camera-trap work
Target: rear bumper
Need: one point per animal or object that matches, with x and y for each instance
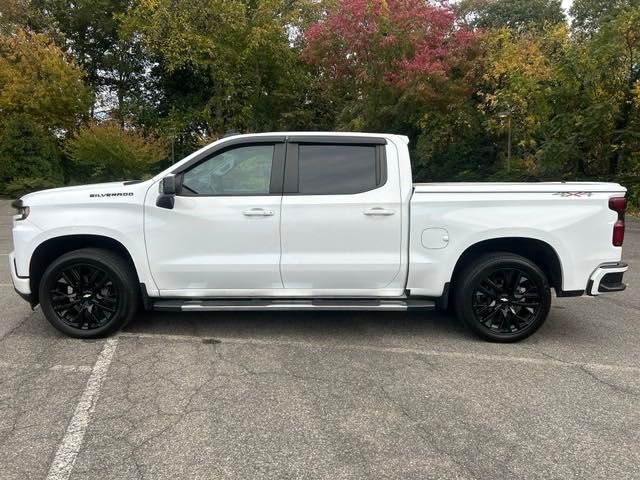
(607, 278)
(20, 284)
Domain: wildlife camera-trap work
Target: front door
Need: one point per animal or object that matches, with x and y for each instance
(341, 217)
(222, 237)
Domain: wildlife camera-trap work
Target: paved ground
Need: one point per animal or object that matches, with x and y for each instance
(333, 396)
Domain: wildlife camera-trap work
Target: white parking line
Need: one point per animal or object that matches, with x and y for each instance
(400, 350)
(68, 451)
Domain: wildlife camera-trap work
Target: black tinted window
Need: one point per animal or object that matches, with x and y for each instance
(336, 169)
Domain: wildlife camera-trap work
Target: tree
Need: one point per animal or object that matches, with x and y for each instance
(518, 15)
(516, 78)
(90, 32)
(106, 151)
(382, 61)
(29, 156)
(14, 14)
(618, 44)
(225, 64)
(397, 66)
(42, 98)
(588, 15)
(38, 80)
(395, 42)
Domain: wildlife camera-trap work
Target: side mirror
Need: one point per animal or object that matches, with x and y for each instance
(168, 185)
(167, 196)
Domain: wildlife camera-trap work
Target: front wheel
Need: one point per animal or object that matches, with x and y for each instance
(89, 293)
(502, 297)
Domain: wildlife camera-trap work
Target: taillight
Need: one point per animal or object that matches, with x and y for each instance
(618, 205)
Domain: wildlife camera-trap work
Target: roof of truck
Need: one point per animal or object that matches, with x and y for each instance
(403, 138)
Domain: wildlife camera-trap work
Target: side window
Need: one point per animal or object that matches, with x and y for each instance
(244, 170)
(337, 169)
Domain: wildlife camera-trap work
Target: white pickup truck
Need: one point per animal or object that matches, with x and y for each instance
(314, 221)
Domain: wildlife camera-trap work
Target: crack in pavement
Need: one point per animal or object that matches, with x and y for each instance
(53, 368)
(584, 367)
(424, 434)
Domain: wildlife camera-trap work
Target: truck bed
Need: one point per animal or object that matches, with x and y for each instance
(573, 218)
(524, 187)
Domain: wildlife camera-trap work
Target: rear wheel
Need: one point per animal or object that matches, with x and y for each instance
(503, 297)
(89, 293)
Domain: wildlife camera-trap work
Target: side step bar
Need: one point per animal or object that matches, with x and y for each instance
(184, 305)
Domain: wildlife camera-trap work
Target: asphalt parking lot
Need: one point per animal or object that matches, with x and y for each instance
(331, 395)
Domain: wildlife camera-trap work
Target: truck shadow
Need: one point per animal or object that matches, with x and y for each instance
(301, 326)
(327, 327)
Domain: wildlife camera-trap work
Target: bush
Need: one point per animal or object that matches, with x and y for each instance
(106, 152)
(21, 186)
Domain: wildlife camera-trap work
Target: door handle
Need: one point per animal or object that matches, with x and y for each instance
(258, 212)
(379, 211)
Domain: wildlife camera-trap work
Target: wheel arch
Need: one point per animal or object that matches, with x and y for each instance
(52, 248)
(537, 251)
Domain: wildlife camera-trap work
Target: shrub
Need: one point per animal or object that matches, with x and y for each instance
(21, 186)
(106, 151)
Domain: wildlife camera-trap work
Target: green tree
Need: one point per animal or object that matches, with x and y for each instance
(105, 151)
(29, 156)
(90, 32)
(588, 15)
(518, 73)
(226, 64)
(617, 47)
(518, 15)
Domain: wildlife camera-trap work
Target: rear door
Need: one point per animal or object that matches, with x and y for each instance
(341, 216)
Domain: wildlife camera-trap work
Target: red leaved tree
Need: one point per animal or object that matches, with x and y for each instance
(406, 44)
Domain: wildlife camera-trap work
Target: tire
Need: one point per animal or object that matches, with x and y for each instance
(89, 293)
(502, 297)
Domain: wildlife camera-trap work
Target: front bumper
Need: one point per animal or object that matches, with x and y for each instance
(607, 278)
(20, 284)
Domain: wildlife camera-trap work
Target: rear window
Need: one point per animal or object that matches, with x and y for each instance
(337, 169)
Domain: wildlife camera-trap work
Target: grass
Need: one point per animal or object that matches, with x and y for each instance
(633, 212)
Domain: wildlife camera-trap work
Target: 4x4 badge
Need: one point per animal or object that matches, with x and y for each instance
(573, 194)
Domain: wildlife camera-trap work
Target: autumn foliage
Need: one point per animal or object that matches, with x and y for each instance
(101, 89)
(396, 41)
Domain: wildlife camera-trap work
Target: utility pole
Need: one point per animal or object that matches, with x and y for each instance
(173, 146)
(508, 116)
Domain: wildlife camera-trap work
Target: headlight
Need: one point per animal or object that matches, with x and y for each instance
(23, 211)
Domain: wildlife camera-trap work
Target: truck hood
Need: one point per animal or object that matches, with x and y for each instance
(127, 191)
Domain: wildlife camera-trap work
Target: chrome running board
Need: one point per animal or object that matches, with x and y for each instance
(351, 304)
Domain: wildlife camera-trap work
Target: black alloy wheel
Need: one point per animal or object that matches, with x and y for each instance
(84, 296)
(506, 301)
(89, 293)
(502, 297)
